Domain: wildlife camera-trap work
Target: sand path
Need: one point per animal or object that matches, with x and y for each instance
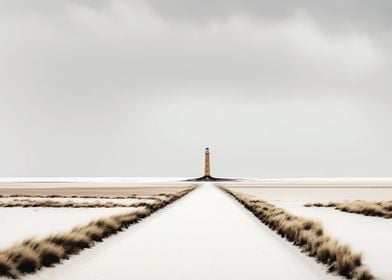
(205, 235)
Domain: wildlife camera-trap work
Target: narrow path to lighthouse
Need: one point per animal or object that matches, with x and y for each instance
(205, 235)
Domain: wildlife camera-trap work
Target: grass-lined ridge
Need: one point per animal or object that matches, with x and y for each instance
(308, 235)
(367, 208)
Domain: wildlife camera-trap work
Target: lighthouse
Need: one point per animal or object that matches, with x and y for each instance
(207, 171)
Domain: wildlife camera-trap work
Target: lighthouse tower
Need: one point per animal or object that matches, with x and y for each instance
(207, 171)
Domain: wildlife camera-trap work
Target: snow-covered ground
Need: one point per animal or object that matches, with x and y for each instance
(301, 195)
(205, 235)
(318, 182)
(18, 224)
(369, 235)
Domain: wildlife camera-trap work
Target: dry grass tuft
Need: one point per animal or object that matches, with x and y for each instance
(50, 254)
(367, 208)
(72, 242)
(32, 254)
(364, 274)
(23, 258)
(134, 196)
(25, 203)
(6, 267)
(308, 235)
(93, 232)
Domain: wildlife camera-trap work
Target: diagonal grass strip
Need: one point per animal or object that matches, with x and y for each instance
(308, 235)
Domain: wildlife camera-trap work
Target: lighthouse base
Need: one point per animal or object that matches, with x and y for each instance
(209, 178)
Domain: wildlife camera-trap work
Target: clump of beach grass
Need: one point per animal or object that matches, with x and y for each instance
(308, 235)
(132, 196)
(32, 254)
(367, 208)
(23, 258)
(49, 253)
(28, 203)
(6, 267)
(364, 274)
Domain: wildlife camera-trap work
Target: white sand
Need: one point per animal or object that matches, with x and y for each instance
(205, 235)
(301, 195)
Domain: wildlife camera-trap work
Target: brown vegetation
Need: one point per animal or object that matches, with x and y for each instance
(308, 235)
(134, 196)
(367, 208)
(69, 204)
(32, 254)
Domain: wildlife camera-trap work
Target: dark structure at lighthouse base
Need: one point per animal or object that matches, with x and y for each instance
(209, 178)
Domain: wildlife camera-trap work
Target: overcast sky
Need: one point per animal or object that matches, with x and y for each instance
(139, 88)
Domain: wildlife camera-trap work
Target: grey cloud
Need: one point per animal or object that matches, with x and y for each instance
(118, 88)
(351, 12)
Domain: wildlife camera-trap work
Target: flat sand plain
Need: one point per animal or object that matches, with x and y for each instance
(315, 194)
(315, 190)
(90, 188)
